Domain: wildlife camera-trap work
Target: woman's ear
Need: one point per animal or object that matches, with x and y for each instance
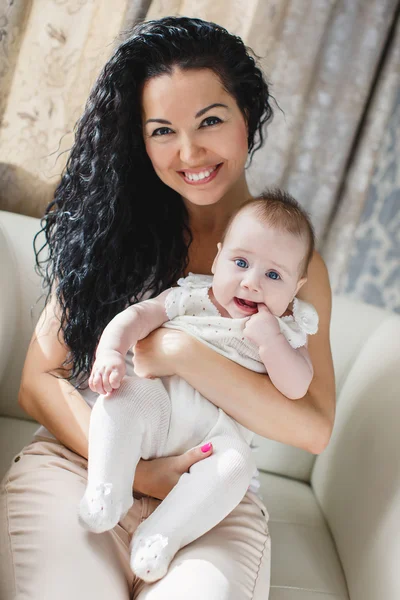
(214, 265)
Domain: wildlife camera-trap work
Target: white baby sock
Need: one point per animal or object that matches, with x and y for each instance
(132, 423)
(151, 556)
(200, 500)
(101, 508)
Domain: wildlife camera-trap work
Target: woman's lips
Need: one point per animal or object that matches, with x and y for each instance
(249, 310)
(201, 181)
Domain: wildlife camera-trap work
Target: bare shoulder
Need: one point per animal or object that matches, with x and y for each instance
(317, 289)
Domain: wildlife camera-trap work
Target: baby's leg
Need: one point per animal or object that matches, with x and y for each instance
(132, 423)
(200, 500)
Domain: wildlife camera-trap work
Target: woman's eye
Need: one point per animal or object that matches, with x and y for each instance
(273, 275)
(239, 262)
(161, 131)
(210, 121)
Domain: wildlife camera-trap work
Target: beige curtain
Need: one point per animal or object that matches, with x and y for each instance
(334, 70)
(362, 248)
(50, 54)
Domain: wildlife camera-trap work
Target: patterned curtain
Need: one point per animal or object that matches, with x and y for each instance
(334, 70)
(50, 54)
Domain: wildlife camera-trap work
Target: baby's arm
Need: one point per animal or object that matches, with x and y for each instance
(124, 331)
(289, 369)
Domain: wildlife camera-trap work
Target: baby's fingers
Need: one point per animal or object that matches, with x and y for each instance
(97, 382)
(106, 381)
(263, 308)
(115, 379)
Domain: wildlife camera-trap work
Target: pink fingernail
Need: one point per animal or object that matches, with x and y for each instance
(206, 447)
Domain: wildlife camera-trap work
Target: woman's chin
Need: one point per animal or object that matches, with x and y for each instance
(201, 198)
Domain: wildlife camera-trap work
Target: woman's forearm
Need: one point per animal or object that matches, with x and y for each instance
(54, 403)
(252, 400)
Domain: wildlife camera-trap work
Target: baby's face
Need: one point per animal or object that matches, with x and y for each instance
(257, 264)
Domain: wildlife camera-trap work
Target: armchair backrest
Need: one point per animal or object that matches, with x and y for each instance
(357, 479)
(353, 326)
(20, 304)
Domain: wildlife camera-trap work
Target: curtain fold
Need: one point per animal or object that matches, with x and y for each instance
(63, 47)
(13, 19)
(379, 123)
(362, 249)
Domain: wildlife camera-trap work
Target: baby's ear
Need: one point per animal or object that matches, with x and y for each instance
(214, 265)
(300, 284)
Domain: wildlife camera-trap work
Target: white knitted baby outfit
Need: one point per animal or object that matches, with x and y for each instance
(162, 417)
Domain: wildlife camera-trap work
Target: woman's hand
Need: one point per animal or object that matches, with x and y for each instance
(157, 477)
(158, 354)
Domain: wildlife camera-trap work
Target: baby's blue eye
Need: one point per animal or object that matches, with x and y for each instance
(273, 275)
(239, 262)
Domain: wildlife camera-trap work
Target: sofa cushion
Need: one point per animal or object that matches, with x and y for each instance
(9, 301)
(357, 478)
(22, 309)
(305, 564)
(351, 327)
(14, 435)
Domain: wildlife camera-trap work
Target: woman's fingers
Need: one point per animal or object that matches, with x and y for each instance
(189, 458)
(159, 476)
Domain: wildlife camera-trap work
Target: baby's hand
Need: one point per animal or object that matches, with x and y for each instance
(107, 372)
(261, 326)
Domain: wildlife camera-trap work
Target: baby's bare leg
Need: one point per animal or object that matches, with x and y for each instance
(200, 500)
(132, 423)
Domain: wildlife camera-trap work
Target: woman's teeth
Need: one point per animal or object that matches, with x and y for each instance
(199, 176)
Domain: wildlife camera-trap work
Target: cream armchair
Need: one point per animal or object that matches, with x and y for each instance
(334, 518)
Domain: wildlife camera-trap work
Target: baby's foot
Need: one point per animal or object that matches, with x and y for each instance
(150, 557)
(101, 508)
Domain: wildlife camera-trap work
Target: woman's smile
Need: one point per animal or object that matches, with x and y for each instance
(200, 176)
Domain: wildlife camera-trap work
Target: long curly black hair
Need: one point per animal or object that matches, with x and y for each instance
(114, 230)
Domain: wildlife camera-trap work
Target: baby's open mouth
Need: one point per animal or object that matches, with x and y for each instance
(247, 305)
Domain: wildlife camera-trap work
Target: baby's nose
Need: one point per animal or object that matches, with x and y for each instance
(250, 283)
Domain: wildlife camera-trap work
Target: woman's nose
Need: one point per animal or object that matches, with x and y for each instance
(190, 152)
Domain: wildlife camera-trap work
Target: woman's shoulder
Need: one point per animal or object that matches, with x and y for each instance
(317, 283)
(317, 289)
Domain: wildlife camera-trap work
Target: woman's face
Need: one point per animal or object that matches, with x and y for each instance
(195, 134)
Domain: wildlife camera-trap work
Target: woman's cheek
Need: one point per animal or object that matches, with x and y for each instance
(159, 154)
(240, 138)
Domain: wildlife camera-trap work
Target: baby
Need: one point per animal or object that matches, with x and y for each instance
(248, 311)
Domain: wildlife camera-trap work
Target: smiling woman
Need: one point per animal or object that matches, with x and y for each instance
(202, 152)
(155, 174)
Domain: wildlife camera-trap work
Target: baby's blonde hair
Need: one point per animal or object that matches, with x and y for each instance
(279, 209)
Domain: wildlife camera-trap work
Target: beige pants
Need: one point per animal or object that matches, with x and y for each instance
(46, 555)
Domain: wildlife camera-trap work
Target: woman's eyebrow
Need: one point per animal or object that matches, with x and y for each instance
(196, 116)
(204, 110)
(163, 121)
